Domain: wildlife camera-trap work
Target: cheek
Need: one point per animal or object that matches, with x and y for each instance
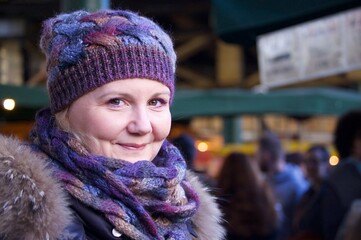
(98, 126)
(103, 130)
(161, 126)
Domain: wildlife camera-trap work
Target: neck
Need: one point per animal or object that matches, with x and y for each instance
(277, 167)
(317, 183)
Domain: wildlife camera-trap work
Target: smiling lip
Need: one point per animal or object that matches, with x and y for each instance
(133, 146)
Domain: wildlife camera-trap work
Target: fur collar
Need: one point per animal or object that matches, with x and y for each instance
(33, 206)
(208, 219)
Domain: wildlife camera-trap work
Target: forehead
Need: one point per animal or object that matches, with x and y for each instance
(137, 86)
(315, 155)
(134, 83)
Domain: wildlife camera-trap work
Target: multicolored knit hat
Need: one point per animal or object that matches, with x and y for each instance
(87, 50)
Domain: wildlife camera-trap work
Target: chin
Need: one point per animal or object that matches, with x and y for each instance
(131, 158)
(135, 160)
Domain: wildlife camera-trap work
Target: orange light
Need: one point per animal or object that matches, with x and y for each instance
(333, 160)
(202, 147)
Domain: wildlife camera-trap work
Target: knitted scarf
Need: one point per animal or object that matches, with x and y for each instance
(143, 200)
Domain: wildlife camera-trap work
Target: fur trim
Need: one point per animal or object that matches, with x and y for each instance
(208, 219)
(32, 205)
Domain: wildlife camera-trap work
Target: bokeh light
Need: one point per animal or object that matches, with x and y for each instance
(333, 160)
(202, 146)
(9, 104)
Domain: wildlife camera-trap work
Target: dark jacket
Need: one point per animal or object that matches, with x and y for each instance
(34, 206)
(88, 224)
(337, 195)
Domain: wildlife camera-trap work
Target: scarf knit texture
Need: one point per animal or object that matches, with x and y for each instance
(143, 200)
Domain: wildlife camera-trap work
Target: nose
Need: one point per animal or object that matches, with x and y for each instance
(140, 122)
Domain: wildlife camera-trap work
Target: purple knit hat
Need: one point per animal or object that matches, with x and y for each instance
(87, 50)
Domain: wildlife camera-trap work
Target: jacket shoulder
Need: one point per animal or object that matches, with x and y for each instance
(208, 219)
(32, 203)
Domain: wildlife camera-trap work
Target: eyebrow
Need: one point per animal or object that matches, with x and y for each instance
(119, 93)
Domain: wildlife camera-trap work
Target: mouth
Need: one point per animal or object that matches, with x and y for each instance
(132, 146)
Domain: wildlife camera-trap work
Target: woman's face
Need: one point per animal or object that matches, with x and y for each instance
(315, 168)
(124, 119)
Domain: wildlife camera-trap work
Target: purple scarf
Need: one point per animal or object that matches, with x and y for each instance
(143, 200)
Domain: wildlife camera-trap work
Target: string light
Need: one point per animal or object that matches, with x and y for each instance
(9, 104)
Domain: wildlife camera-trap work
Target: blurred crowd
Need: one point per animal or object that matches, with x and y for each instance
(276, 195)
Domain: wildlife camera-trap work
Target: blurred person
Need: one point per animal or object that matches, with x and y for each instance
(247, 200)
(297, 159)
(287, 180)
(294, 158)
(317, 166)
(186, 145)
(343, 186)
(351, 225)
(99, 165)
(307, 216)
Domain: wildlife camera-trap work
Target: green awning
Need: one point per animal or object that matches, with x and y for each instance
(31, 97)
(27, 99)
(242, 21)
(294, 102)
(219, 102)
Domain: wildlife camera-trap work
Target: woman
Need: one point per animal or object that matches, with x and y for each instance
(99, 165)
(307, 217)
(247, 200)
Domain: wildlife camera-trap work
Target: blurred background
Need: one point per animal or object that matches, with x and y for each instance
(245, 66)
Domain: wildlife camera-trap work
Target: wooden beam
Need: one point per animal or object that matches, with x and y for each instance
(251, 81)
(229, 64)
(193, 46)
(196, 79)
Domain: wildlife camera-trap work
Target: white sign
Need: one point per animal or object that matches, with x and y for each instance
(279, 57)
(319, 48)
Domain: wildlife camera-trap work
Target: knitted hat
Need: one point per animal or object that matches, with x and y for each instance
(87, 50)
